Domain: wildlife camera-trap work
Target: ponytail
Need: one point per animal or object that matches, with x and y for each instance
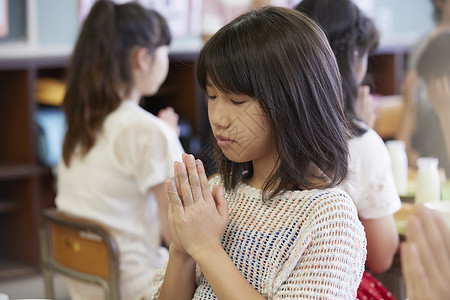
(99, 72)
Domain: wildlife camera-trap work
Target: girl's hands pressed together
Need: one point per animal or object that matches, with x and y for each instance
(198, 217)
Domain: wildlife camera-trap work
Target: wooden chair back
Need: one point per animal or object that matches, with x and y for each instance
(78, 248)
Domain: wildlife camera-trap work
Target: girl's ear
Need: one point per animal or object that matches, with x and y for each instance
(140, 58)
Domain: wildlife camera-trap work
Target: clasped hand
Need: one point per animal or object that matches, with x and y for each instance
(425, 256)
(197, 216)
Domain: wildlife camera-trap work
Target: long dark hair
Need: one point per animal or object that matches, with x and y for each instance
(347, 30)
(282, 58)
(99, 72)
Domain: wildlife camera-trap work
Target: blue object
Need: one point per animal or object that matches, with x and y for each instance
(51, 125)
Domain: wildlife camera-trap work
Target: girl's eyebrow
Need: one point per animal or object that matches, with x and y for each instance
(208, 83)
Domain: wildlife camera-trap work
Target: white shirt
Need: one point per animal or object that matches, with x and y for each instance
(112, 183)
(370, 182)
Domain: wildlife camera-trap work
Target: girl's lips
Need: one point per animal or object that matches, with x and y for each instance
(223, 141)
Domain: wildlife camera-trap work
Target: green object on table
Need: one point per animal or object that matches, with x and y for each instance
(445, 190)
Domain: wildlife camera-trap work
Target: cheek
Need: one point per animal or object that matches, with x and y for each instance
(165, 67)
(361, 68)
(210, 112)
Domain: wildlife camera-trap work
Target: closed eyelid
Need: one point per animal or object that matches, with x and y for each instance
(236, 102)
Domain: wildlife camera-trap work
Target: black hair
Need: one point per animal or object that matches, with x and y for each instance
(347, 30)
(282, 58)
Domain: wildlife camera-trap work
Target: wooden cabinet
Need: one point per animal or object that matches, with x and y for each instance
(386, 70)
(26, 187)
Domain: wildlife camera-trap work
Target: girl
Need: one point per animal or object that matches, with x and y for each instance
(116, 156)
(371, 185)
(273, 226)
(434, 68)
(425, 255)
(420, 127)
(352, 37)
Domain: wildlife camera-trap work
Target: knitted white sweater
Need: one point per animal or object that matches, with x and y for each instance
(299, 245)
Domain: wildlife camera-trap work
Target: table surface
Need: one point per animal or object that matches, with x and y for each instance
(407, 209)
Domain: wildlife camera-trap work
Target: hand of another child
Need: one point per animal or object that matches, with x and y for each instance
(425, 256)
(169, 116)
(199, 215)
(438, 90)
(364, 106)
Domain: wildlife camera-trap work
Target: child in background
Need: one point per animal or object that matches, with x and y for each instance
(434, 68)
(425, 255)
(117, 156)
(271, 225)
(420, 128)
(370, 184)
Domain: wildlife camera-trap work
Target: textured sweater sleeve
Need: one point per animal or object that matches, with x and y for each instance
(329, 260)
(157, 282)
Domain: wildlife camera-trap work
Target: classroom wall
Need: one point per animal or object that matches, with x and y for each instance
(403, 16)
(57, 20)
(17, 25)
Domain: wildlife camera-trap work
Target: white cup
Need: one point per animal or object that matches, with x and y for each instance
(3, 296)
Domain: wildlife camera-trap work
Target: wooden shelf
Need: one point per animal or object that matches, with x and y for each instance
(14, 63)
(27, 187)
(12, 268)
(8, 206)
(11, 172)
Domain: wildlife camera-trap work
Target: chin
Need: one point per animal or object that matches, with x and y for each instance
(234, 156)
(151, 92)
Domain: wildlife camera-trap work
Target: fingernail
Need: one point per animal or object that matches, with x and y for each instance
(191, 158)
(199, 163)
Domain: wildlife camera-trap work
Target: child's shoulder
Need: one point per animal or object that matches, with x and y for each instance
(317, 199)
(333, 200)
(131, 113)
(130, 118)
(330, 199)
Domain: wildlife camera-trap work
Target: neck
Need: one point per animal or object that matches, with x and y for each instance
(261, 172)
(134, 96)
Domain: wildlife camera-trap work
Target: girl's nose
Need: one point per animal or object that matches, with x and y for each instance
(218, 114)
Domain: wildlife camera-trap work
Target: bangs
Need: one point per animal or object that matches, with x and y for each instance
(226, 65)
